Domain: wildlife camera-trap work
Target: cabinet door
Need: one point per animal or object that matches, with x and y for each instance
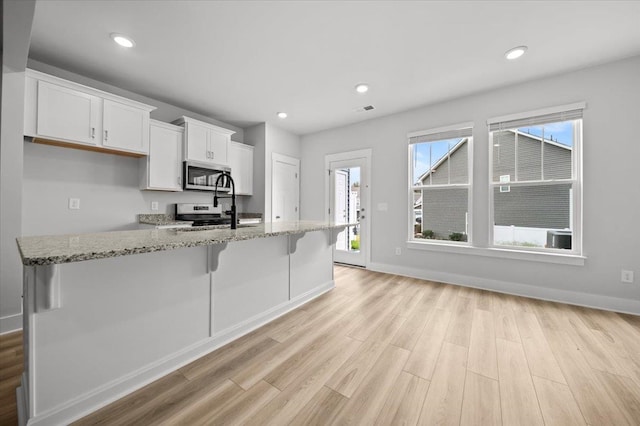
(66, 114)
(218, 146)
(165, 159)
(241, 163)
(125, 127)
(197, 140)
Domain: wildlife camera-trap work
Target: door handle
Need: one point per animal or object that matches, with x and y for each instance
(106, 135)
(93, 133)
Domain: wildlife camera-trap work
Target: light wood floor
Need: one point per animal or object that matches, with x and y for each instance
(11, 360)
(387, 350)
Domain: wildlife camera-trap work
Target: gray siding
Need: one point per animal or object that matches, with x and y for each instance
(533, 206)
(459, 164)
(557, 160)
(444, 210)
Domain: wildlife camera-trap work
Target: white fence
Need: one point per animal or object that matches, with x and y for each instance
(520, 236)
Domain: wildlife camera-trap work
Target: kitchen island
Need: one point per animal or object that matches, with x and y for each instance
(107, 313)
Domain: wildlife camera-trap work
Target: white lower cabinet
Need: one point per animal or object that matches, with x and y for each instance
(162, 169)
(241, 163)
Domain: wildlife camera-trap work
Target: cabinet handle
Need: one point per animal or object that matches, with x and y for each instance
(212, 156)
(106, 135)
(93, 133)
(208, 154)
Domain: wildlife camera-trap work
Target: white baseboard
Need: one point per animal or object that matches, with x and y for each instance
(21, 401)
(10, 324)
(110, 392)
(544, 293)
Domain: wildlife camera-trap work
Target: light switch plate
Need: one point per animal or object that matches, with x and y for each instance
(154, 205)
(74, 203)
(626, 276)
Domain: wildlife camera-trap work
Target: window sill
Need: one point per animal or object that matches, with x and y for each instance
(502, 253)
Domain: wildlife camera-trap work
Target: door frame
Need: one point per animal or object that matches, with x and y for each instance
(275, 157)
(365, 190)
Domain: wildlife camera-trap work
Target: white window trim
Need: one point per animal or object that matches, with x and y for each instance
(537, 112)
(576, 185)
(557, 257)
(469, 186)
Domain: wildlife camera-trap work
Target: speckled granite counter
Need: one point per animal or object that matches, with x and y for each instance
(169, 219)
(56, 249)
(161, 220)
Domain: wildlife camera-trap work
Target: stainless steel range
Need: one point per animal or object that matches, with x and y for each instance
(202, 214)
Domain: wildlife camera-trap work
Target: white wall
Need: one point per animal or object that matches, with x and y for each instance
(279, 141)
(17, 18)
(611, 197)
(256, 136)
(267, 140)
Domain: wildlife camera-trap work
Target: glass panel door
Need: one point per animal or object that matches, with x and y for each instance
(346, 207)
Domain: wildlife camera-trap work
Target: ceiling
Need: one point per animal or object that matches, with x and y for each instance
(241, 62)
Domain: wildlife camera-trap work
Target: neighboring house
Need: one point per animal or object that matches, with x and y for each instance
(444, 210)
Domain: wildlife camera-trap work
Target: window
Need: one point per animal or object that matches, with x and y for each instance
(440, 184)
(535, 185)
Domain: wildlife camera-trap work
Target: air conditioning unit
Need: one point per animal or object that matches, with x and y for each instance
(559, 239)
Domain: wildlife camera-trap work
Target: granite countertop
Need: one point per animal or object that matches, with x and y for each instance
(161, 219)
(169, 219)
(55, 249)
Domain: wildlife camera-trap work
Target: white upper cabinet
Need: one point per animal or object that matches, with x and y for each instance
(67, 114)
(241, 163)
(197, 145)
(125, 127)
(162, 169)
(205, 142)
(58, 110)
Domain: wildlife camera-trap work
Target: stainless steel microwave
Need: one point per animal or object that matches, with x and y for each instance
(202, 176)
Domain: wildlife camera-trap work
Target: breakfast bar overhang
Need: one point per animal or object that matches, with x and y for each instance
(107, 313)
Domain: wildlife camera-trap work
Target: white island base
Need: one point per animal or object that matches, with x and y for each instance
(97, 330)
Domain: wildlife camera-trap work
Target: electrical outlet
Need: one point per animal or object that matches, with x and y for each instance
(626, 276)
(74, 203)
(154, 205)
(398, 251)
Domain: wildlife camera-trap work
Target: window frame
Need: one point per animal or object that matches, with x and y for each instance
(575, 181)
(451, 129)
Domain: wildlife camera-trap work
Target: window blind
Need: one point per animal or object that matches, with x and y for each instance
(436, 135)
(536, 120)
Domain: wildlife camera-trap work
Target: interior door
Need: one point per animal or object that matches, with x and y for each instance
(348, 191)
(285, 188)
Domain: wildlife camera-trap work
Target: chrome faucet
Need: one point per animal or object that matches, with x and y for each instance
(232, 212)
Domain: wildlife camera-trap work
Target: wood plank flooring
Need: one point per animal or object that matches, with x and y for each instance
(386, 350)
(11, 366)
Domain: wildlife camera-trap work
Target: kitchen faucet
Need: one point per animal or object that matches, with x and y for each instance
(232, 212)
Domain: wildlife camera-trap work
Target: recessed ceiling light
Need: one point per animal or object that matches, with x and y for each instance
(362, 88)
(282, 115)
(122, 40)
(515, 53)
